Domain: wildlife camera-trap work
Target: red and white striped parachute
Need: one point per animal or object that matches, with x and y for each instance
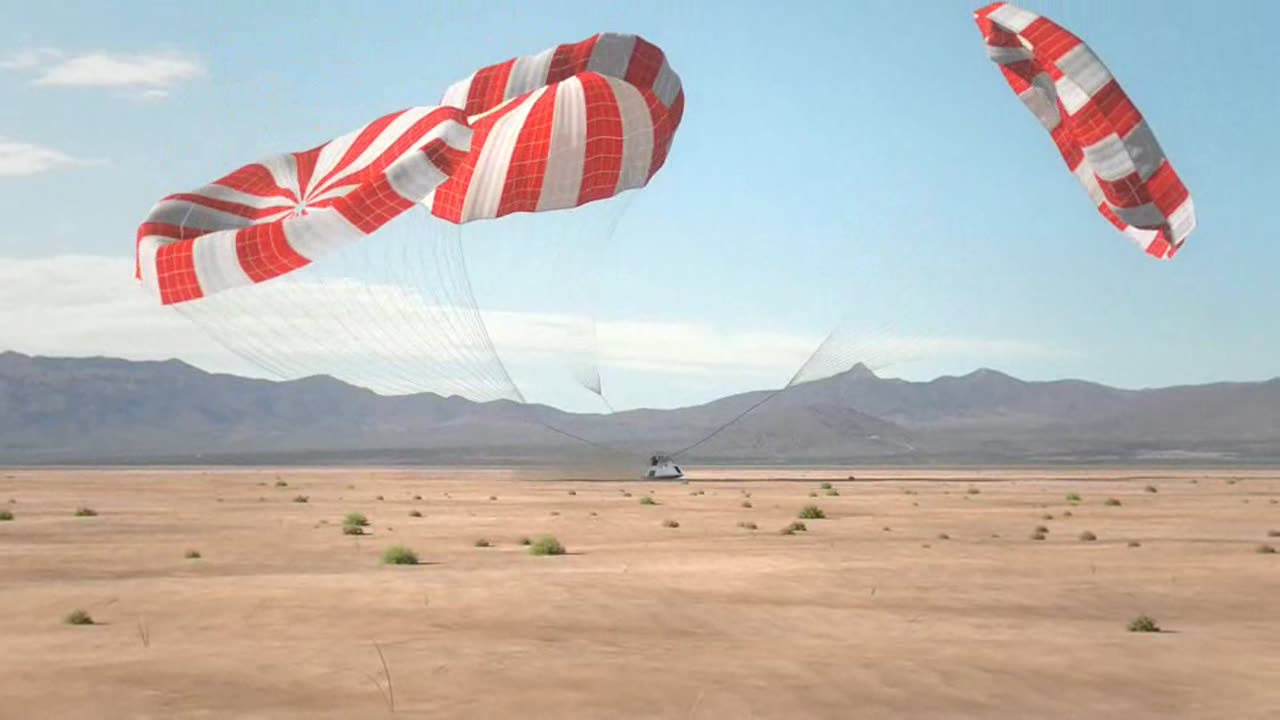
(556, 130)
(1100, 133)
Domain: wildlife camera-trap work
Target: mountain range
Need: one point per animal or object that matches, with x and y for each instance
(103, 410)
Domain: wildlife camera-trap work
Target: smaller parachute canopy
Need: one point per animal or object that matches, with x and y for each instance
(1100, 133)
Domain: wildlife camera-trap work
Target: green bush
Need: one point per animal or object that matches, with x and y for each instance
(86, 512)
(1112, 502)
(825, 486)
(646, 500)
(399, 555)
(281, 483)
(352, 530)
(6, 515)
(1144, 623)
(301, 498)
(1073, 497)
(811, 512)
(546, 545)
(78, 617)
(192, 555)
(796, 527)
(355, 519)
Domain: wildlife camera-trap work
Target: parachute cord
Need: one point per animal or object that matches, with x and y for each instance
(735, 419)
(579, 438)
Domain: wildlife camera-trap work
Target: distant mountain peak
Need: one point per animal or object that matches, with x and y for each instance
(860, 371)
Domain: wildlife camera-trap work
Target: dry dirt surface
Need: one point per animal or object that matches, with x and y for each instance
(921, 595)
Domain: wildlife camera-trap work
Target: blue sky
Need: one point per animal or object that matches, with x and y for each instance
(834, 158)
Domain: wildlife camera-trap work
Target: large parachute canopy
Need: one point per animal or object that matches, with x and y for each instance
(312, 262)
(1100, 133)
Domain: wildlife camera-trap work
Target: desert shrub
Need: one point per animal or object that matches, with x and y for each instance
(525, 541)
(415, 513)
(1088, 536)
(825, 486)
(6, 515)
(192, 555)
(301, 498)
(399, 555)
(669, 523)
(1266, 550)
(797, 526)
(747, 525)
(1143, 623)
(1112, 502)
(813, 494)
(1273, 533)
(973, 491)
(943, 536)
(281, 483)
(492, 498)
(356, 519)
(646, 500)
(1073, 497)
(573, 492)
(833, 492)
(546, 545)
(1037, 535)
(747, 504)
(483, 543)
(86, 512)
(1046, 516)
(1042, 529)
(78, 617)
(811, 512)
(1152, 489)
(352, 530)
(1067, 514)
(1134, 543)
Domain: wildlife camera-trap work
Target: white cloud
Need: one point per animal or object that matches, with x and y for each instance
(150, 73)
(394, 339)
(18, 159)
(29, 59)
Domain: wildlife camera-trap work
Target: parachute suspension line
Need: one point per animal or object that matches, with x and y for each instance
(592, 376)
(464, 278)
(772, 394)
(592, 443)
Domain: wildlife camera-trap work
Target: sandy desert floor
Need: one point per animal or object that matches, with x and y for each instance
(921, 595)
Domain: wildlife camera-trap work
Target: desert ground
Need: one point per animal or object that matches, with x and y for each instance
(922, 595)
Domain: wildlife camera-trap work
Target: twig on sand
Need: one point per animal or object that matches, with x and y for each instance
(696, 702)
(386, 672)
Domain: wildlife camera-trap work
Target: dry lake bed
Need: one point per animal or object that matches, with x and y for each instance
(921, 594)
